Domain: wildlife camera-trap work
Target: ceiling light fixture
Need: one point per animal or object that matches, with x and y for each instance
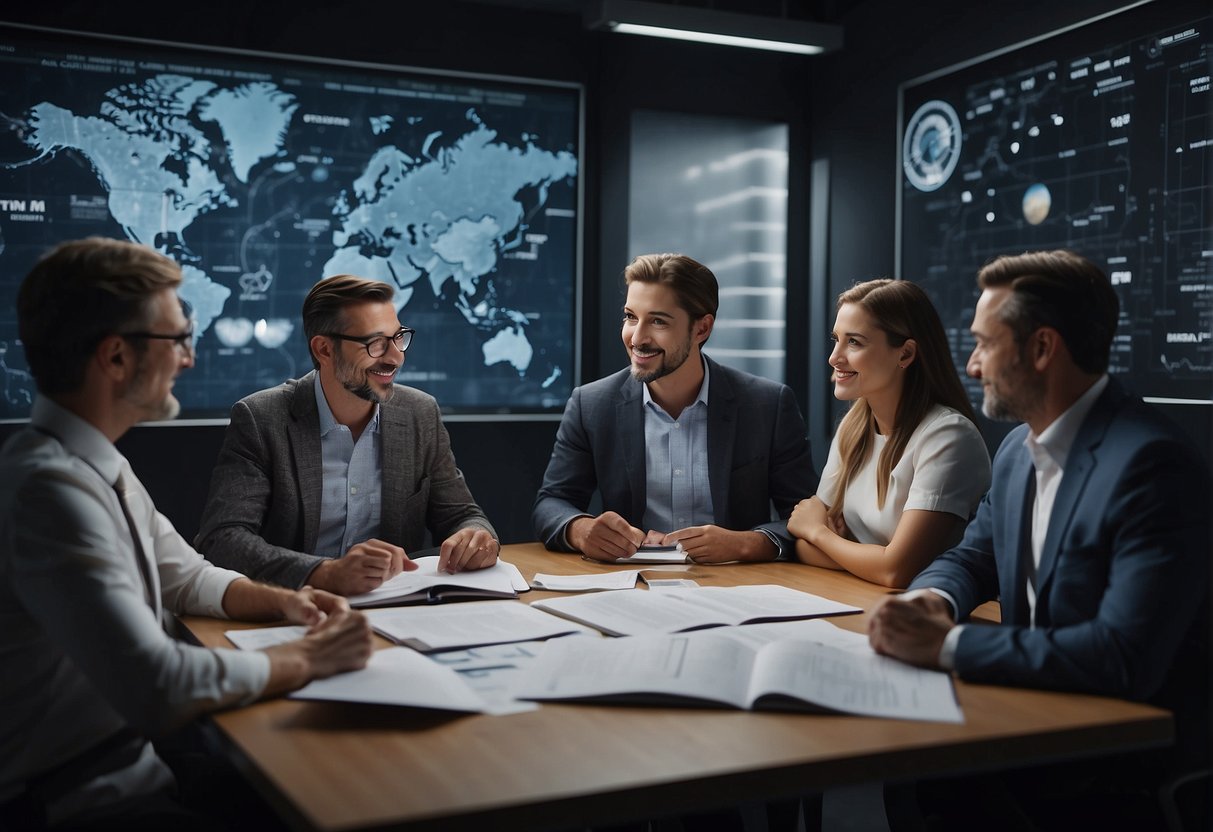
(778, 34)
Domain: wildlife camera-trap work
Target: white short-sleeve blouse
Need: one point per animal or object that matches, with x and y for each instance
(945, 467)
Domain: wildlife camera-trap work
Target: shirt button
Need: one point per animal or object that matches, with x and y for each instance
(677, 426)
(678, 472)
(353, 489)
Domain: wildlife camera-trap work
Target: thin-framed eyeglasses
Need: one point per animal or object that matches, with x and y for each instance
(376, 345)
(184, 341)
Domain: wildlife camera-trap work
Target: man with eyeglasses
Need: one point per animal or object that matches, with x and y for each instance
(330, 480)
(91, 574)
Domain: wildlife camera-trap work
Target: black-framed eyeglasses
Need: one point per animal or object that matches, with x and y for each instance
(184, 340)
(376, 345)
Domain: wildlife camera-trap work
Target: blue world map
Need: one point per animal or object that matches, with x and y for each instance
(261, 187)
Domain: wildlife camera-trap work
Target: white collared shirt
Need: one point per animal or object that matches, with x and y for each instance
(83, 651)
(1049, 453)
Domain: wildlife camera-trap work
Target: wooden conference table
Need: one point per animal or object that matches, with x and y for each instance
(335, 766)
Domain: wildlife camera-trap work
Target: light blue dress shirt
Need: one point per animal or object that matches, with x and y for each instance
(352, 488)
(678, 492)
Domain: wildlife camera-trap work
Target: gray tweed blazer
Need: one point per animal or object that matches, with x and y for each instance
(263, 512)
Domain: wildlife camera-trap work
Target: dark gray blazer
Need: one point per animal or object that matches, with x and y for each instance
(757, 455)
(263, 513)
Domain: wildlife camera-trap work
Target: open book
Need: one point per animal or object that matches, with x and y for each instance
(795, 671)
(633, 612)
(426, 585)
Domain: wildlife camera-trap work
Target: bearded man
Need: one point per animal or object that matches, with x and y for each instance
(330, 480)
(681, 449)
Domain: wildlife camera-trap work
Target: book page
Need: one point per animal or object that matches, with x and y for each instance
(638, 612)
(397, 676)
(631, 612)
(854, 682)
(494, 672)
(740, 604)
(642, 668)
(468, 625)
(817, 629)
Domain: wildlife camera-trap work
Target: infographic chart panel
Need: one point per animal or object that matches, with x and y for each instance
(1098, 139)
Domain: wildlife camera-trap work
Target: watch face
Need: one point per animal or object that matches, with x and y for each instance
(932, 145)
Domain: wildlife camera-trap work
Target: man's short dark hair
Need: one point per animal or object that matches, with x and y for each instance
(1062, 290)
(693, 283)
(325, 304)
(80, 292)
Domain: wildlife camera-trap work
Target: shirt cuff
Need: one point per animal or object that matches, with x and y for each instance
(918, 593)
(564, 531)
(211, 589)
(947, 652)
(771, 536)
(246, 673)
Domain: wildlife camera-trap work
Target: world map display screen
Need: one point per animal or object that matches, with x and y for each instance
(261, 175)
(1098, 139)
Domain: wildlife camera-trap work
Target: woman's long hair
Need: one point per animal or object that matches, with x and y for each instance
(902, 311)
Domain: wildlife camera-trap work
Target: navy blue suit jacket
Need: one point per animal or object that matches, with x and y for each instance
(757, 455)
(1123, 584)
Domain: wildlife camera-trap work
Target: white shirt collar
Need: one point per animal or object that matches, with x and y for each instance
(80, 437)
(1057, 439)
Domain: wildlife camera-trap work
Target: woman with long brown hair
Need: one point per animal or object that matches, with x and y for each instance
(907, 466)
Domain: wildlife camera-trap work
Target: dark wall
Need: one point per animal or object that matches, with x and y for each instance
(854, 116)
(841, 109)
(503, 461)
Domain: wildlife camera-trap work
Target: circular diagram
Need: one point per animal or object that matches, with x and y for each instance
(931, 147)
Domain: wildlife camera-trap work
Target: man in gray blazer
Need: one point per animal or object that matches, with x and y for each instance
(688, 450)
(331, 479)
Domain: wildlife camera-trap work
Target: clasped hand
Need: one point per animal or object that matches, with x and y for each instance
(364, 567)
(608, 536)
(912, 629)
(811, 517)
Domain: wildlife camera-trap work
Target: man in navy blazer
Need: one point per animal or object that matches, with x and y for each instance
(1095, 532)
(680, 448)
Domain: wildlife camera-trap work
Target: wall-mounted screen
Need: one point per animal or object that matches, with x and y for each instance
(261, 174)
(1097, 139)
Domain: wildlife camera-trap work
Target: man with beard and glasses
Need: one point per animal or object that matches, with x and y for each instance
(680, 448)
(330, 480)
(91, 575)
(1095, 536)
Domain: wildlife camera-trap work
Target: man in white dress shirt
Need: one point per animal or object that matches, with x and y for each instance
(90, 572)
